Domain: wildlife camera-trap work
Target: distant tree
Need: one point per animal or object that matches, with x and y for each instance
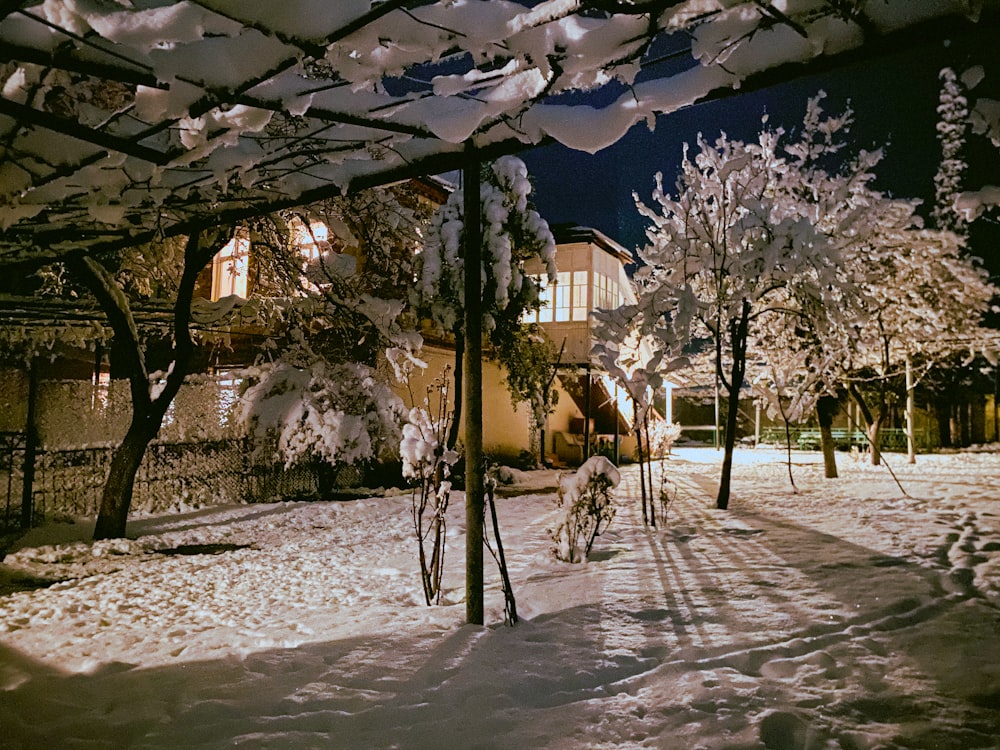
(635, 363)
(927, 302)
(531, 363)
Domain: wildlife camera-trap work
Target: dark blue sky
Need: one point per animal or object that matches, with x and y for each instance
(893, 97)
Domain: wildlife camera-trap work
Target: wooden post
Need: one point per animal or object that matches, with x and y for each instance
(756, 424)
(474, 488)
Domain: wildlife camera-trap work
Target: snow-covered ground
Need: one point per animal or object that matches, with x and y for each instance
(847, 615)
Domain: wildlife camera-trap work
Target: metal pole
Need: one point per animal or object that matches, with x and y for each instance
(618, 458)
(586, 418)
(911, 415)
(474, 486)
(30, 449)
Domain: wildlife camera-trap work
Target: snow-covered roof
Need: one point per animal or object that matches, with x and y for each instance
(567, 233)
(123, 120)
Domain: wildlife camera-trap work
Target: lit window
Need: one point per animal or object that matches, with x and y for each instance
(564, 289)
(579, 295)
(547, 297)
(606, 292)
(313, 240)
(231, 269)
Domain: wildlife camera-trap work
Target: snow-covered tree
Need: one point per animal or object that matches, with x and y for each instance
(346, 280)
(427, 461)
(635, 362)
(984, 121)
(726, 248)
(923, 299)
(952, 125)
(151, 395)
(531, 363)
(587, 496)
(513, 232)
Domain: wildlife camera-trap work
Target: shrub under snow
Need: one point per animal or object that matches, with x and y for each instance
(587, 496)
(339, 413)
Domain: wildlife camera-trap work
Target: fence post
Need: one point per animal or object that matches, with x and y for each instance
(30, 448)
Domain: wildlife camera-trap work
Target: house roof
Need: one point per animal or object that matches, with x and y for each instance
(567, 233)
(121, 122)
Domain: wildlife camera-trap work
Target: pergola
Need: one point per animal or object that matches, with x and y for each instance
(123, 121)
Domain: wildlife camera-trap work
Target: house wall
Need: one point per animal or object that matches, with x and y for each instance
(506, 430)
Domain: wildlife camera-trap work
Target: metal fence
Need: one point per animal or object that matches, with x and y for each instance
(808, 438)
(172, 476)
(12, 447)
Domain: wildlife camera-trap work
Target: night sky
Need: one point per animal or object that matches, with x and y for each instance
(894, 98)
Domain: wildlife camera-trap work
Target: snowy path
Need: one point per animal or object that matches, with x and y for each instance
(843, 616)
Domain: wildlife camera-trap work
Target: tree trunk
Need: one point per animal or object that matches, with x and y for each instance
(642, 473)
(964, 421)
(788, 451)
(116, 497)
(954, 425)
(942, 411)
(653, 499)
(873, 423)
(826, 409)
(875, 440)
(147, 412)
(739, 330)
(722, 501)
(456, 418)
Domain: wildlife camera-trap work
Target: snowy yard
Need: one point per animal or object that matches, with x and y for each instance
(848, 615)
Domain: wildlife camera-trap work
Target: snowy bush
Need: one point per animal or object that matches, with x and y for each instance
(662, 436)
(427, 461)
(338, 413)
(586, 494)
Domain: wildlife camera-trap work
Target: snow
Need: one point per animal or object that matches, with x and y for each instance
(575, 484)
(847, 615)
(184, 96)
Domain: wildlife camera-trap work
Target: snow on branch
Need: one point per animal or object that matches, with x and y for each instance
(157, 119)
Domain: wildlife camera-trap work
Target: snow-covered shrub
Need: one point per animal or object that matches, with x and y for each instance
(662, 436)
(338, 413)
(586, 494)
(427, 461)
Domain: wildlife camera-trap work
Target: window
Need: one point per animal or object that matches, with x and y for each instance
(607, 293)
(547, 295)
(563, 290)
(231, 269)
(571, 296)
(579, 295)
(563, 301)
